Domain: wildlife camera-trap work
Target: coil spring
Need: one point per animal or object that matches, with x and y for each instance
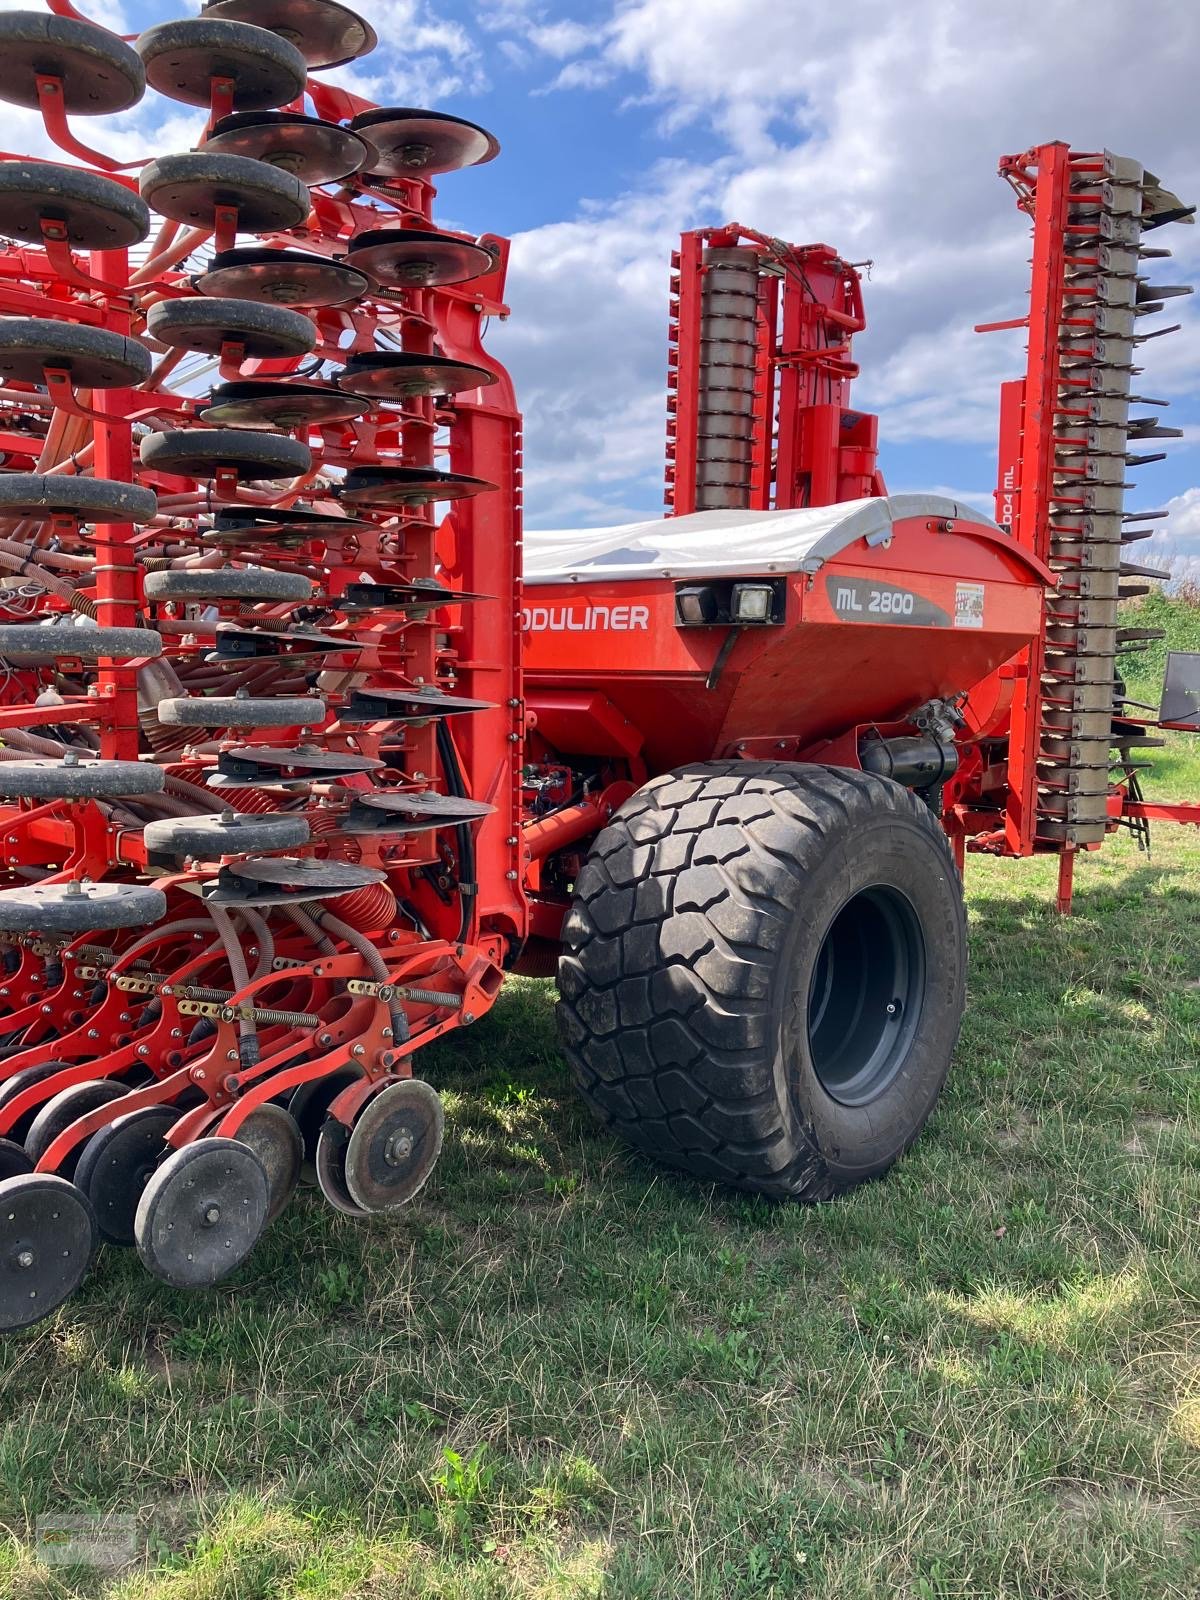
(370, 909)
(322, 823)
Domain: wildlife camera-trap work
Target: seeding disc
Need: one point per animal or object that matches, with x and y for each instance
(385, 488)
(29, 494)
(410, 813)
(395, 375)
(420, 594)
(412, 144)
(206, 325)
(95, 358)
(225, 583)
(98, 72)
(182, 58)
(72, 779)
(320, 522)
(274, 1136)
(236, 645)
(116, 1164)
(394, 1145)
(316, 152)
(79, 906)
(414, 258)
(13, 1160)
(40, 643)
(203, 452)
(189, 188)
(253, 763)
(406, 705)
(17, 1084)
(326, 34)
(268, 403)
(280, 277)
(47, 1238)
(236, 711)
(201, 1213)
(64, 1108)
(331, 1170)
(224, 834)
(92, 213)
(308, 1106)
(307, 876)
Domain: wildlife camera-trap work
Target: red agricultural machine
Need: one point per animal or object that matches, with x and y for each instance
(281, 802)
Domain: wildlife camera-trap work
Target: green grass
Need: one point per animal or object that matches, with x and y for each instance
(561, 1373)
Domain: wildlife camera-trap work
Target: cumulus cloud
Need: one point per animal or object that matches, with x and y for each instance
(876, 128)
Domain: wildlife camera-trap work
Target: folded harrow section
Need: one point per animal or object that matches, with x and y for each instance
(1070, 433)
(259, 716)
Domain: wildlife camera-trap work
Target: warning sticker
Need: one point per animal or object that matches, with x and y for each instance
(968, 605)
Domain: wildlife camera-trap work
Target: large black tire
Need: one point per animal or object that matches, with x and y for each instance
(764, 974)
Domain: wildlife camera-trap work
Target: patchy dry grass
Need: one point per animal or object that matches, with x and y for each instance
(564, 1374)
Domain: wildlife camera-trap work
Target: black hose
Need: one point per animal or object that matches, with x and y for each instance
(462, 831)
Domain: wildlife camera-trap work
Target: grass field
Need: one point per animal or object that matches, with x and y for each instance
(561, 1373)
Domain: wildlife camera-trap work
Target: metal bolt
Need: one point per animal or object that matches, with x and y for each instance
(212, 1215)
(25, 1258)
(357, 1050)
(468, 1017)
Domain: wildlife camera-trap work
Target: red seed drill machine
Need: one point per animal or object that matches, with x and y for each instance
(281, 803)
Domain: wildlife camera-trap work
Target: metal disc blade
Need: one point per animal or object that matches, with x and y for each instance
(413, 143)
(394, 375)
(280, 278)
(413, 258)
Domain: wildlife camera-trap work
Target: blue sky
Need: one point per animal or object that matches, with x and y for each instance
(871, 126)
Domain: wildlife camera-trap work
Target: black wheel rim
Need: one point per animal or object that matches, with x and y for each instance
(866, 995)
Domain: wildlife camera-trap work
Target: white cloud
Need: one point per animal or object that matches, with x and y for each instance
(877, 128)
(1176, 541)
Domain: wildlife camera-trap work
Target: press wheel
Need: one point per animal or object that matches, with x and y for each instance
(207, 325)
(267, 403)
(117, 1163)
(204, 452)
(416, 144)
(13, 1160)
(397, 375)
(280, 277)
(201, 1213)
(64, 1108)
(17, 1084)
(415, 258)
(326, 34)
(47, 1239)
(222, 583)
(97, 500)
(71, 779)
(189, 188)
(242, 711)
(95, 358)
(87, 211)
(314, 151)
(394, 1145)
(22, 642)
(98, 72)
(79, 907)
(225, 834)
(182, 58)
(274, 1136)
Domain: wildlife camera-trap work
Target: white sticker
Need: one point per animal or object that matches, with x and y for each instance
(968, 605)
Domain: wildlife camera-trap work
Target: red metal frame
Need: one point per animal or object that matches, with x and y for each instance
(810, 447)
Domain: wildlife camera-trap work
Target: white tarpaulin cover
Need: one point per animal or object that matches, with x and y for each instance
(716, 543)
